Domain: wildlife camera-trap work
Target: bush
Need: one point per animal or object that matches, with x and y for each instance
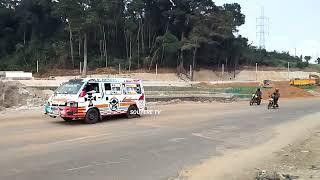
(302, 65)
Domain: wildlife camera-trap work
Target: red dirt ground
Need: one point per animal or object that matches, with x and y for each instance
(287, 91)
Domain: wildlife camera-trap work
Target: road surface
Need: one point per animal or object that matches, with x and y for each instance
(34, 147)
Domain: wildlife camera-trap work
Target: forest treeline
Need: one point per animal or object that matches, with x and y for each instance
(133, 33)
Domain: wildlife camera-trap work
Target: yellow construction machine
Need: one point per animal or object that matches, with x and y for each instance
(313, 80)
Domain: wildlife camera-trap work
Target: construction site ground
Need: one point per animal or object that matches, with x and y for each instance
(17, 94)
(286, 90)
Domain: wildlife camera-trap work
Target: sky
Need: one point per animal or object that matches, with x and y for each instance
(294, 25)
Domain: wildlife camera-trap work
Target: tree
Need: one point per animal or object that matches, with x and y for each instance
(318, 60)
(85, 27)
(70, 12)
(307, 59)
(135, 33)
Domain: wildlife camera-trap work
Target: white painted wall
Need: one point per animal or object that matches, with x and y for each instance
(18, 75)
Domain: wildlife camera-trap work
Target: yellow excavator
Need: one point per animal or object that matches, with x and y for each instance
(313, 80)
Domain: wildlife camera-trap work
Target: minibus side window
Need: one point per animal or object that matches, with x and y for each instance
(107, 86)
(131, 89)
(116, 89)
(93, 87)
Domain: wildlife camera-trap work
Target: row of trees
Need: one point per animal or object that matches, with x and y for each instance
(135, 33)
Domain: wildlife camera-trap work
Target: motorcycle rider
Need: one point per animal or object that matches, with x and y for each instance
(256, 97)
(275, 96)
(259, 94)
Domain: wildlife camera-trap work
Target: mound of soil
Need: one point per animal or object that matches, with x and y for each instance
(14, 94)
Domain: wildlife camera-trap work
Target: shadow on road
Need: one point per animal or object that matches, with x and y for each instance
(107, 119)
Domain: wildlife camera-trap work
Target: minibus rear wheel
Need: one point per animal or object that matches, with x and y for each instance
(132, 112)
(92, 116)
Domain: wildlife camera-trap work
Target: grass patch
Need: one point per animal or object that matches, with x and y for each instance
(241, 90)
(241, 96)
(308, 87)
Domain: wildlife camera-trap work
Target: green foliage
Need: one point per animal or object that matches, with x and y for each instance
(302, 65)
(171, 43)
(130, 32)
(308, 87)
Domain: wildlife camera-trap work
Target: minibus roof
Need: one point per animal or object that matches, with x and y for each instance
(107, 80)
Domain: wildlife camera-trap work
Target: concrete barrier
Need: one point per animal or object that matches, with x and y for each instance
(16, 75)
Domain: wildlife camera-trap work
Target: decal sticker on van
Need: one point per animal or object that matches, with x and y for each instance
(114, 104)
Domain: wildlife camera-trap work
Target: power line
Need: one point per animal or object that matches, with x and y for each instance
(262, 29)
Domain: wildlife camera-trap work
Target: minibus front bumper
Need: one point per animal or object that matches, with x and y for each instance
(63, 112)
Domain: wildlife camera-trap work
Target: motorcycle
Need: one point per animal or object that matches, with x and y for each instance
(255, 100)
(272, 104)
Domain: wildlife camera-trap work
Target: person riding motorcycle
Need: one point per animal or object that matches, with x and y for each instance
(275, 96)
(256, 97)
(259, 93)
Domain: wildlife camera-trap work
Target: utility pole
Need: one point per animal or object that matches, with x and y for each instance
(262, 29)
(257, 72)
(288, 70)
(37, 66)
(80, 67)
(156, 71)
(222, 72)
(191, 73)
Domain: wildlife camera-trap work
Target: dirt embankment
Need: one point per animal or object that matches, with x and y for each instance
(300, 160)
(14, 94)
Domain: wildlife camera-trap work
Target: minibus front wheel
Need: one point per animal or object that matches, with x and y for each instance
(92, 116)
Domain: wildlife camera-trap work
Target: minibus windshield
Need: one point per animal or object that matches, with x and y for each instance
(69, 88)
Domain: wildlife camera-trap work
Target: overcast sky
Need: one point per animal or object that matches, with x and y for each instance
(293, 24)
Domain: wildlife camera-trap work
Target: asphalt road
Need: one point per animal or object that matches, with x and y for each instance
(34, 147)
